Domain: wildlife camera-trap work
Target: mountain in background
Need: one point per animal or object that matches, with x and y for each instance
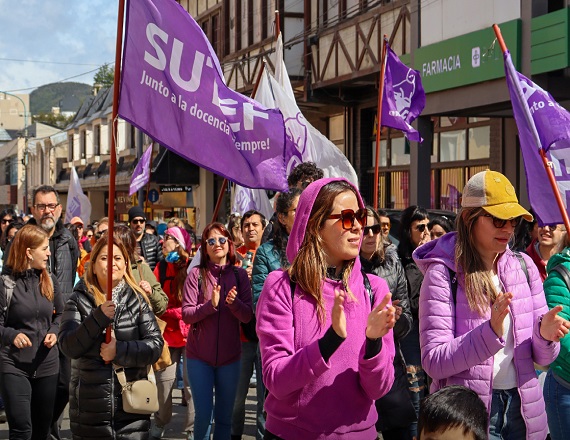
(45, 97)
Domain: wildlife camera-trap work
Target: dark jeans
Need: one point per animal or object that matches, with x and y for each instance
(62, 395)
(29, 405)
(506, 422)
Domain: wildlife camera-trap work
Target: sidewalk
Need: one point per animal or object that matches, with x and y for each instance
(174, 429)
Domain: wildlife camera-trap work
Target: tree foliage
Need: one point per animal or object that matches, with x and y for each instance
(60, 120)
(105, 76)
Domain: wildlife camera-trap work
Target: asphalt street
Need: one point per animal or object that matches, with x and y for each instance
(174, 429)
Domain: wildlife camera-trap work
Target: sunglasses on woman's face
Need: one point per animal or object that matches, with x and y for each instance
(347, 217)
(421, 227)
(212, 241)
(374, 228)
(500, 223)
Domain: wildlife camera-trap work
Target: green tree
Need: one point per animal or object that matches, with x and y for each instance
(105, 76)
(53, 120)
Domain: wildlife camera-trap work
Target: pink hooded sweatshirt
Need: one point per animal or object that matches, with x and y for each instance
(308, 397)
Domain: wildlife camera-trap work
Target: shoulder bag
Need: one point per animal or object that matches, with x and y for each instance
(139, 396)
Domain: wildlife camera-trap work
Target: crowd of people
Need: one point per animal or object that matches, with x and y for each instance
(452, 330)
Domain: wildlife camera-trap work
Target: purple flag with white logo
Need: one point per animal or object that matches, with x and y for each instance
(141, 175)
(542, 123)
(404, 97)
(172, 88)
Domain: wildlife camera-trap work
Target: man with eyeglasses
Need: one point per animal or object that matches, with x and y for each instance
(46, 210)
(549, 241)
(148, 245)
(385, 224)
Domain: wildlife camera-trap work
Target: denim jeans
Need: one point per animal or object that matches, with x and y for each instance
(250, 358)
(204, 379)
(557, 399)
(506, 418)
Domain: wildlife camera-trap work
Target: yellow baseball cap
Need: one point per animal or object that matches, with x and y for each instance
(493, 192)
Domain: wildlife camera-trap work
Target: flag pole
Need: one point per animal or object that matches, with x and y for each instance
(149, 172)
(379, 119)
(253, 92)
(536, 138)
(113, 156)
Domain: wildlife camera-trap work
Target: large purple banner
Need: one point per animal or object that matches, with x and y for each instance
(542, 123)
(172, 88)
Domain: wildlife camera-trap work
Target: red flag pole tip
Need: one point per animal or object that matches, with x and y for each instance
(500, 37)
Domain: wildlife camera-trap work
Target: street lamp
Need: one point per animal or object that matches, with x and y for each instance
(25, 159)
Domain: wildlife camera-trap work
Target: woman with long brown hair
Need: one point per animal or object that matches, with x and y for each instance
(30, 310)
(95, 405)
(483, 313)
(325, 329)
(217, 297)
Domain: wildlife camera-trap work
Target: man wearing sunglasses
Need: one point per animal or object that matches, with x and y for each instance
(148, 245)
(548, 242)
(46, 210)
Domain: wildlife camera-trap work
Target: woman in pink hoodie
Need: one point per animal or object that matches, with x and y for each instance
(325, 331)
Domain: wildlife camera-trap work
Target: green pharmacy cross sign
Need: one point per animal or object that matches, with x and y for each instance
(467, 59)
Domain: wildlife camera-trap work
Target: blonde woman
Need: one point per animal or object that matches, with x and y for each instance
(96, 408)
(483, 314)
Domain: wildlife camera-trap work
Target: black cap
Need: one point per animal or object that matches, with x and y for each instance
(136, 212)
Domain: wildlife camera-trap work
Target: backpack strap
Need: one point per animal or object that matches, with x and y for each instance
(453, 284)
(523, 265)
(162, 266)
(236, 274)
(564, 273)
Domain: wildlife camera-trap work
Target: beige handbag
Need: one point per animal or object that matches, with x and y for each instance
(139, 396)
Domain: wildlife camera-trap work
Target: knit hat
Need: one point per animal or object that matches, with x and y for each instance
(136, 212)
(76, 220)
(493, 192)
(181, 236)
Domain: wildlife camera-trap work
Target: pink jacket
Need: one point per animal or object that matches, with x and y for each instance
(458, 344)
(308, 397)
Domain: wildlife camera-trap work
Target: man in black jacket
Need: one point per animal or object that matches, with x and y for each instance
(148, 245)
(46, 210)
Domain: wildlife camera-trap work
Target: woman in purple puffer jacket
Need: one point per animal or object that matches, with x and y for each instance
(487, 335)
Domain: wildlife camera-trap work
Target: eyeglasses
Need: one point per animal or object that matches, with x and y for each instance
(5, 220)
(374, 228)
(99, 234)
(168, 237)
(137, 221)
(347, 217)
(212, 241)
(554, 227)
(89, 235)
(500, 223)
(421, 227)
(43, 206)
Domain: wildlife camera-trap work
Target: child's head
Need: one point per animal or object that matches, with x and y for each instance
(454, 412)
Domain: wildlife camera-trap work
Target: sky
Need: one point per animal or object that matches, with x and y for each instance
(47, 41)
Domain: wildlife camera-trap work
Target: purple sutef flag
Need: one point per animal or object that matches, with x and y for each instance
(141, 175)
(172, 88)
(542, 123)
(404, 97)
(454, 196)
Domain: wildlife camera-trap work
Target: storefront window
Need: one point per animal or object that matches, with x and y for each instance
(383, 159)
(479, 142)
(399, 189)
(400, 154)
(452, 146)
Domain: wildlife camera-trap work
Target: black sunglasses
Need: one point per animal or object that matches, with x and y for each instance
(137, 221)
(374, 228)
(421, 227)
(500, 223)
(347, 217)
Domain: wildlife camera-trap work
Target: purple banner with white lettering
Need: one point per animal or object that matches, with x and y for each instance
(542, 123)
(172, 88)
(404, 97)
